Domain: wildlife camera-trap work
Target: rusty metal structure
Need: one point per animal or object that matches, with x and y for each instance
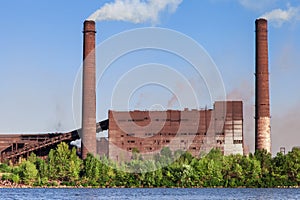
(88, 136)
(262, 98)
(196, 131)
(13, 147)
(16, 146)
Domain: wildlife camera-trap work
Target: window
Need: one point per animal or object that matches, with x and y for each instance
(237, 141)
(220, 141)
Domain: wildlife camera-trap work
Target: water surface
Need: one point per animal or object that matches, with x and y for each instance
(151, 193)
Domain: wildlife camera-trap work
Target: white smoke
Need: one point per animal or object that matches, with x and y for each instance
(135, 11)
(278, 16)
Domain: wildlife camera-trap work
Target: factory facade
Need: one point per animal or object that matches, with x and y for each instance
(195, 131)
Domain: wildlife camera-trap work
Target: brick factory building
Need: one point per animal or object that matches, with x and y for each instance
(195, 131)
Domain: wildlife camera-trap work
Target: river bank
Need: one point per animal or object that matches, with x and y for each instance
(8, 184)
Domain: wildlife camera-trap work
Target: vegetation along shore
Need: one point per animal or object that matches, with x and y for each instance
(63, 168)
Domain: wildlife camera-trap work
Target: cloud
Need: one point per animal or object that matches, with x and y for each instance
(135, 11)
(278, 16)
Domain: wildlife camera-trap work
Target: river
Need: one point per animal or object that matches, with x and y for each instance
(151, 194)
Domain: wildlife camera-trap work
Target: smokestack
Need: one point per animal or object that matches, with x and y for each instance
(262, 99)
(88, 137)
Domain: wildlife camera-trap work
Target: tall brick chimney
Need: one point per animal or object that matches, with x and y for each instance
(88, 137)
(262, 99)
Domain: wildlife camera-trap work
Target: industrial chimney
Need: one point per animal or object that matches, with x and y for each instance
(88, 137)
(262, 99)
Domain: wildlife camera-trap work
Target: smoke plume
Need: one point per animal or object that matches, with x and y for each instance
(285, 129)
(278, 16)
(172, 101)
(135, 11)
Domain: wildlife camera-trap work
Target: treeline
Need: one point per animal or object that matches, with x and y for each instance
(64, 167)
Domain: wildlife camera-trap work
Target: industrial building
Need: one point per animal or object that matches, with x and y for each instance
(195, 131)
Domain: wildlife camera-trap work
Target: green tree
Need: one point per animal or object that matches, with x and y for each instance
(293, 166)
(42, 168)
(166, 156)
(209, 169)
(62, 161)
(251, 171)
(32, 158)
(28, 172)
(91, 170)
(265, 159)
(64, 164)
(107, 173)
(52, 168)
(15, 178)
(4, 168)
(280, 170)
(149, 175)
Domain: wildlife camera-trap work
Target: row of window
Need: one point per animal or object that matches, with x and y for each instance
(165, 134)
(168, 141)
(151, 148)
(161, 141)
(185, 141)
(146, 118)
(146, 148)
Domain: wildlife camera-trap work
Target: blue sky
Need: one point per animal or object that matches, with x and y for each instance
(41, 53)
